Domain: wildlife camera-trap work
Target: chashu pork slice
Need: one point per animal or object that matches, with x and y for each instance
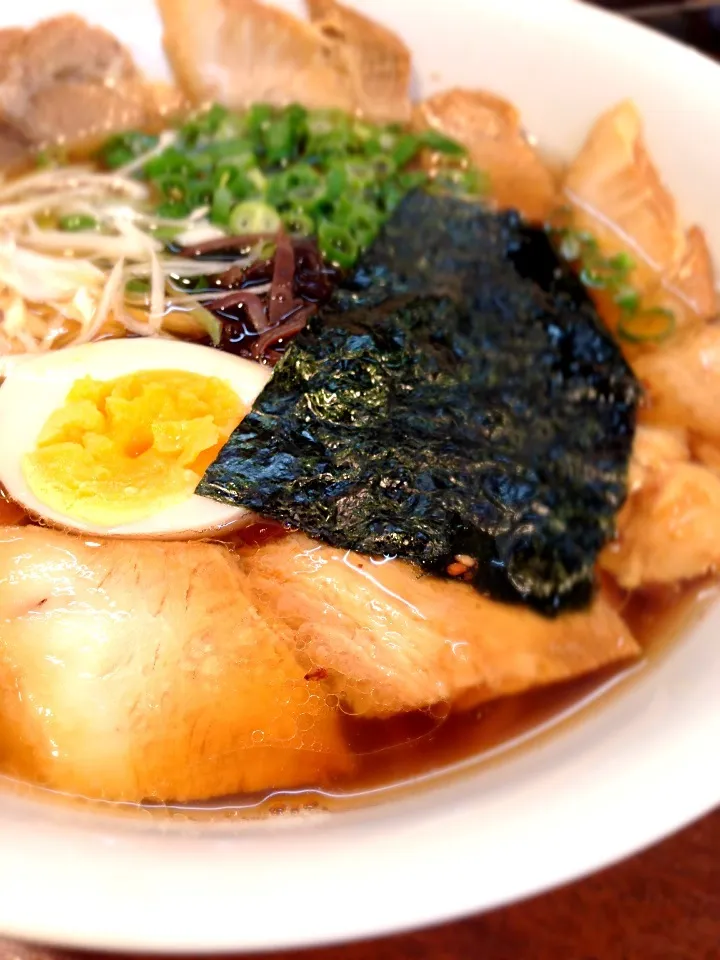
(668, 530)
(616, 193)
(682, 383)
(240, 52)
(142, 670)
(490, 129)
(374, 61)
(388, 638)
(67, 82)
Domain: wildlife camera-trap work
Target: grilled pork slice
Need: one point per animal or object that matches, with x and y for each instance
(388, 638)
(66, 82)
(669, 528)
(617, 194)
(489, 127)
(374, 60)
(143, 670)
(240, 52)
(682, 383)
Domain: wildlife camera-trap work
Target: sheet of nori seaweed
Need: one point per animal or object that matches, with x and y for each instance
(459, 396)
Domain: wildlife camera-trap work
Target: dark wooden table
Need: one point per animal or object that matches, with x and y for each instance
(661, 905)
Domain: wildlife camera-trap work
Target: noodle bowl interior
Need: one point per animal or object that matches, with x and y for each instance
(342, 439)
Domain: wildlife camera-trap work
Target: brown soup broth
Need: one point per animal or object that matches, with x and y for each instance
(417, 745)
(419, 748)
(403, 752)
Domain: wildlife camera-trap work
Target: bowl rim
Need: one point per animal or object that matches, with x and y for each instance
(411, 845)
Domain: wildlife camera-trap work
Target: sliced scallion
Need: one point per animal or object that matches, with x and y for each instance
(337, 244)
(298, 223)
(253, 216)
(256, 169)
(442, 144)
(76, 222)
(300, 186)
(125, 147)
(653, 325)
(223, 200)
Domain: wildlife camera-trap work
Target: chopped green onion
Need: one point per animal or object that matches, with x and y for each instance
(222, 203)
(363, 134)
(323, 121)
(165, 233)
(298, 223)
(174, 187)
(125, 147)
(597, 271)
(373, 148)
(75, 222)
(636, 325)
(257, 179)
(406, 150)
(361, 220)
(171, 160)
(242, 184)
(258, 119)
(627, 299)
(647, 326)
(442, 144)
(329, 133)
(236, 161)
(199, 163)
(205, 125)
(461, 182)
(299, 186)
(199, 193)
(268, 165)
(383, 167)
(412, 179)
(622, 263)
(51, 157)
(211, 324)
(253, 216)
(360, 173)
(173, 210)
(222, 149)
(231, 127)
(588, 241)
(137, 285)
(392, 193)
(335, 184)
(337, 245)
(570, 248)
(282, 137)
(388, 138)
(594, 278)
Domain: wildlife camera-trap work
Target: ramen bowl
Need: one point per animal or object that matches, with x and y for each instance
(615, 774)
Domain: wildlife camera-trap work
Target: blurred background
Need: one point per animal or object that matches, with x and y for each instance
(695, 22)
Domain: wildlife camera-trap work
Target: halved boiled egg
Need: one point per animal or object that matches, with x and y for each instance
(112, 438)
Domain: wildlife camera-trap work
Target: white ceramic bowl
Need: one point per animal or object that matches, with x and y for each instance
(639, 767)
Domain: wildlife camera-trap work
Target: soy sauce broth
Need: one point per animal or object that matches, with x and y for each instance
(424, 748)
(493, 730)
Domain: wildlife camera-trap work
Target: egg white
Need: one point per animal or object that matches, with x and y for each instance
(36, 388)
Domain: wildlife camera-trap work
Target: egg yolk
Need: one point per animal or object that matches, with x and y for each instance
(121, 450)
